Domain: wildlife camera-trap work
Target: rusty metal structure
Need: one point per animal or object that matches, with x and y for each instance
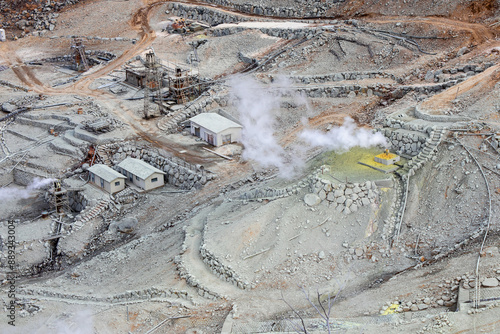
(153, 82)
(60, 199)
(81, 62)
(184, 86)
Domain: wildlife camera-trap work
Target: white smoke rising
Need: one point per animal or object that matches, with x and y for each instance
(12, 193)
(255, 104)
(344, 137)
(79, 323)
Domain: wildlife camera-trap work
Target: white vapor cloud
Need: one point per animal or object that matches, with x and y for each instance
(256, 105)
(79, 323)
(344, 137)
(12, 193)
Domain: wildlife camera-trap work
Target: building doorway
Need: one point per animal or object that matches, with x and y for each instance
(210, 139)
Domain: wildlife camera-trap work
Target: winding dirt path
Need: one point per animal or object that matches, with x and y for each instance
(479, 33)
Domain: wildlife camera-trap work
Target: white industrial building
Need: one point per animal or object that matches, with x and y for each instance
(215, 129)
(141, 173)
(107, 178)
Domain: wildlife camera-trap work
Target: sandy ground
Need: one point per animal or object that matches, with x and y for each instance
(278, 245)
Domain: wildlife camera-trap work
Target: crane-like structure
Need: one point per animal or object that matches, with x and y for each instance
(79, 55)
(153, 82)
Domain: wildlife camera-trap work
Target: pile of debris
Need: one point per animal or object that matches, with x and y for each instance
(25, 16)
(102, 125)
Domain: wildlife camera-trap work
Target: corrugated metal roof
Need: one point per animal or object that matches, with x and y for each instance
(106, 173)
(214, 122)
(139, 168)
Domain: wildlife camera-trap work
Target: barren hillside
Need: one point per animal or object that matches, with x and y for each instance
(249, 166)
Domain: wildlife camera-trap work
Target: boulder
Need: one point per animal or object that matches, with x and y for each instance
(312, 199)
(490, 282)
(422, 306)
(8, 107)
(126, 225)
(321, 255)
(429, 76)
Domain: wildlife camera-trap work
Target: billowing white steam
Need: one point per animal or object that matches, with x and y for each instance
(12, 193)
(343, 137)
(255, 104)
(79, 323)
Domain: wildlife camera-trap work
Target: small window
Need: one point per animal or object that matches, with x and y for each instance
(154, 179)
(117, 183)
(137, 178)
(102, 183)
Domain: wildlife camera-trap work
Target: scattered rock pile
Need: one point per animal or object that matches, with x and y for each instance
(346, 197)
(30, 15)
(299, 9)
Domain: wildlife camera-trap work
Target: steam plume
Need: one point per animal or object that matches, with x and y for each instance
(255, 105)
(79, 323)
(343, 137)
(12, 193)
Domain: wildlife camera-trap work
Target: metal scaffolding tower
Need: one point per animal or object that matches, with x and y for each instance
(79, 55)
(153, 82)
(60, 199)
(184, 86)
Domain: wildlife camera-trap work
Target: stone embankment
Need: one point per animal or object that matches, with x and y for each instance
(170, 122)
(345, 197)
(179, 173)
(428, 152)
(122, 298)
(224, 272)
(301, 8)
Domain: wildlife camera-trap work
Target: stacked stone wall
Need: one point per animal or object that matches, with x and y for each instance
(179, 173)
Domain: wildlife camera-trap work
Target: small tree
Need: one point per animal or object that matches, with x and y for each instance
(323, 308)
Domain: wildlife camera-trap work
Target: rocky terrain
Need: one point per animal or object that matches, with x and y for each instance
(289, 230)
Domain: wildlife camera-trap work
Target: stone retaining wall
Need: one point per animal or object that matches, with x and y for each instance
(428, 152)
(437, 118)
(178, 172)
(369, 90)
(221, 270)
(211, 16)
(288, 33)
(341, 76)
(193, 281)
(465, 71)
(302, 8)
(77, 200)
(127, 296)
(170, 122)
(346, 197)
(408, 143)
(203, 291)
